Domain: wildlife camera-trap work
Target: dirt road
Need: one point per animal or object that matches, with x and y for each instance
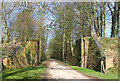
(57, 70)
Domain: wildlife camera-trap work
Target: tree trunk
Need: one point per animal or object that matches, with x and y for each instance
(118, 12)
(40, 51)
(90, 26)
(45, 46)
(114, 16)
(98, 17)
(63, 52)
(104, 20)
(71, 46)
(95, 20)
(101, 21)
(68, 49)
(83, 32)
(40, 33)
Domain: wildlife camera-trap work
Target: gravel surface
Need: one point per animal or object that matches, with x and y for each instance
(56, 70)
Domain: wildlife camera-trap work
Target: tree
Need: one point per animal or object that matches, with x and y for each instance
(118, 20)
(104, 18)
(114, 17)
(24, 25)
(101, 19)
(6, 11)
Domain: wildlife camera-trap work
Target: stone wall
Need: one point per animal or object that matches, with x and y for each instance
(109, 62)
(94, 56)
(90, 55)
(25, 56)
(110, 46)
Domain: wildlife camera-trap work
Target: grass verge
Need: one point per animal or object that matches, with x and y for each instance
(113, 74)
(31, 73)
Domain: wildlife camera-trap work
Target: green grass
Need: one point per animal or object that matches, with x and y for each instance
(110, 75)
(32, 73)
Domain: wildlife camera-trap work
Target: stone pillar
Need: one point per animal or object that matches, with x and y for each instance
(109, 62)
(82, 52)
(86, 50)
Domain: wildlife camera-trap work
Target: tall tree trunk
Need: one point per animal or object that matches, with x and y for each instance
(83, 32)
(40, 51)
(98, 21)
(20, 29)
(41, 25)
(90, 25)
(68, 49)
(39, 34)
(45, 46)
(101, 20)
(104, 19)
(95, 20)
(118, 21)
(63, 52)
(98, 17)
(71, 44)
(114, 16)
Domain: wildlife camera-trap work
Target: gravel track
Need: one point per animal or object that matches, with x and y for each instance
(56, 70)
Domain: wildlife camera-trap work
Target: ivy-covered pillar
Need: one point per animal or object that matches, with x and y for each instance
(84, 51)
